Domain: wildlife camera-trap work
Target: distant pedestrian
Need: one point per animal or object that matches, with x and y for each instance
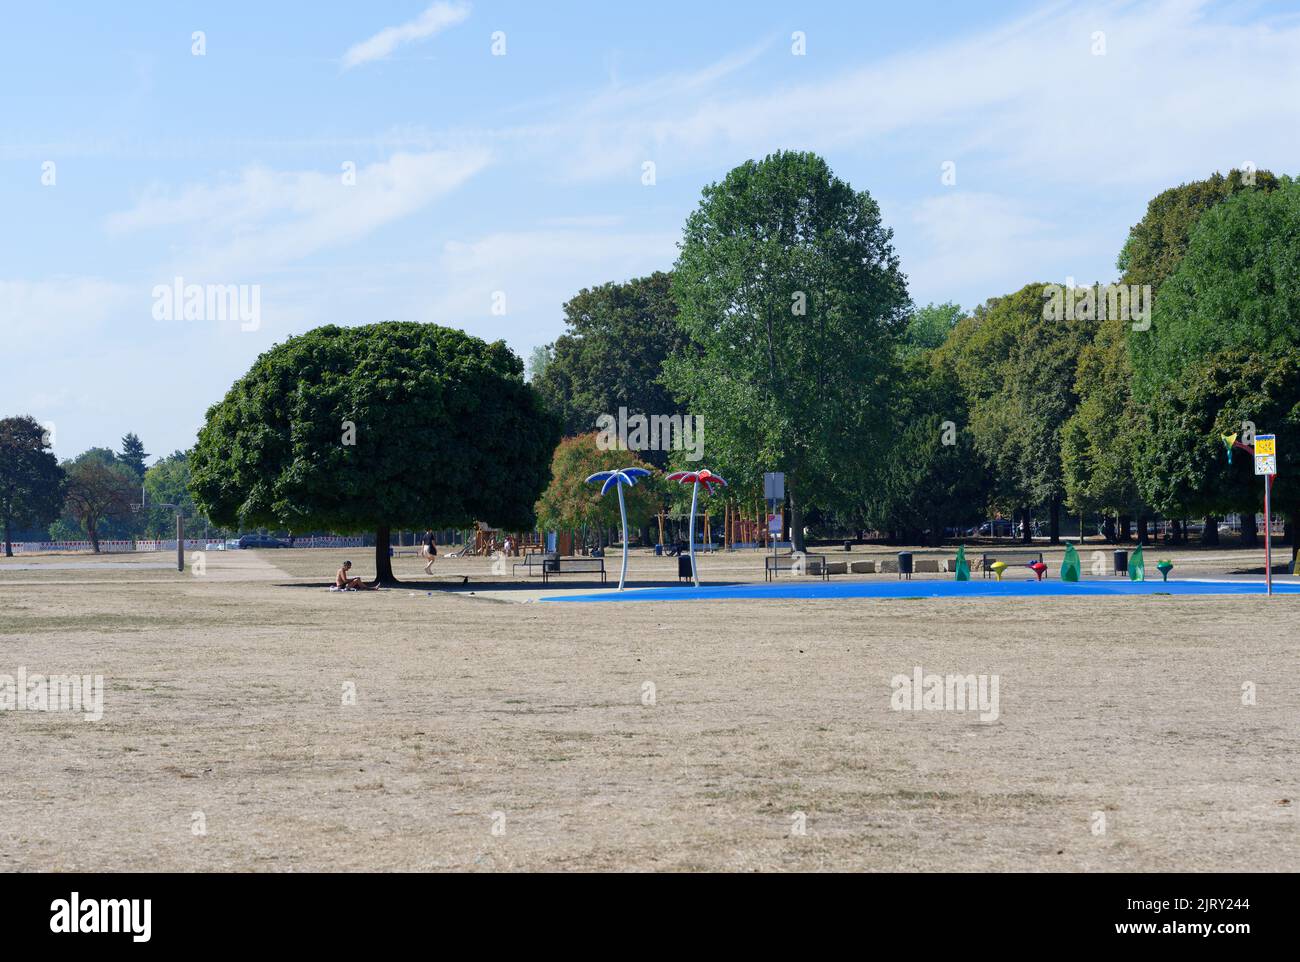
(429, 551)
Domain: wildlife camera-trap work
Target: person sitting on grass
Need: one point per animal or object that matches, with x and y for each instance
(343, 582)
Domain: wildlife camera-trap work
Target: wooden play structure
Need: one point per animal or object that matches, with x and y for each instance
(676, 520)
(489, 540)
(743, 528)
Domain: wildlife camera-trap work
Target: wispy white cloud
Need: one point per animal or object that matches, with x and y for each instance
(1174, 90)
(437, 18)
(265, 219)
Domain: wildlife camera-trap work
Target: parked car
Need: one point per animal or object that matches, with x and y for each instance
(997, 528)
(261, 541)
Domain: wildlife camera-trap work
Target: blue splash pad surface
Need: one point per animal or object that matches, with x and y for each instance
(932, 589)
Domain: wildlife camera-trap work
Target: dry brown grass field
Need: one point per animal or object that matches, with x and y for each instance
(493, 733)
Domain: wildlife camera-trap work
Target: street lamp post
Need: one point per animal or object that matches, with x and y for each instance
(180, 528)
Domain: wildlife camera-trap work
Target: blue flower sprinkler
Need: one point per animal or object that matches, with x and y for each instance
(623, 477)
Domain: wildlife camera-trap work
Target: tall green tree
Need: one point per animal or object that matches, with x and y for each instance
(1233, 291)
(168, 482)
(133, 454)
(932, 477)
(385, 425)
(1156, 244)
(611, 355)
(31, 481)
(1016, 364)
(1101, 440)
(791, 297)
(100, 491)
(1186, 467)
(1235, 287)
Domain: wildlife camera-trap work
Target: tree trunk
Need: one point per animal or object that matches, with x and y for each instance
(1122, 535)
(93, 531)
(1142, 530)
(1249, 530)
(1211, 533)
(796, 519)
(9, 544)
(383, 563)
(1108, 529)
(1178, 531)
(1054, 521)
(1026, 528)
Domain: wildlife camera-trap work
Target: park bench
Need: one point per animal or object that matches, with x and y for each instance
(814, 564)
(533, 559)
(566, 566)
(1010, 558)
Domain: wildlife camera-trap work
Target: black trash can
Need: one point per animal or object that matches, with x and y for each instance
(848, 546)
(905, 564)
(1121, 562)
(684, 567)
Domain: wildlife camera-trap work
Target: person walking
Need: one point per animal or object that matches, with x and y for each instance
(429, 551)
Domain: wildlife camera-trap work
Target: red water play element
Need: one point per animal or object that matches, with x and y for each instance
(1038, 568)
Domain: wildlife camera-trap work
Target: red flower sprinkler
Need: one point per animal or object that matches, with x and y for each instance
(696, 478)
(1037, 568)
(624, 477)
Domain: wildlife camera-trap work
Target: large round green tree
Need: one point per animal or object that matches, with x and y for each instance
(372, 428)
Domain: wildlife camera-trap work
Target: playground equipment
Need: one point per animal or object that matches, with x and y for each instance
(1164, 567)
(1136, 569)
(1037, 568)
(1070, 567)
(488, 540)
(695, 479)
(741, 528)
(623, 477)
(962, 566)
(998, 567)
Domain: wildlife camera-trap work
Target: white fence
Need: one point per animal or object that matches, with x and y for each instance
(191, 544)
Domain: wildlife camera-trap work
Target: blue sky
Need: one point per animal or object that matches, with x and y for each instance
(520, 176)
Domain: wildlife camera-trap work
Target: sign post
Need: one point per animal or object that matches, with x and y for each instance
(1266, 464)
(774, 492)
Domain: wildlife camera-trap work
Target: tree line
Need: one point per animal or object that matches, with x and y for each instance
(786, 326)
(786, 323)
(100, 495)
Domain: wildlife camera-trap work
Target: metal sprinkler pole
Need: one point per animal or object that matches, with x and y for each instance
(695, 493)
(622, 512)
